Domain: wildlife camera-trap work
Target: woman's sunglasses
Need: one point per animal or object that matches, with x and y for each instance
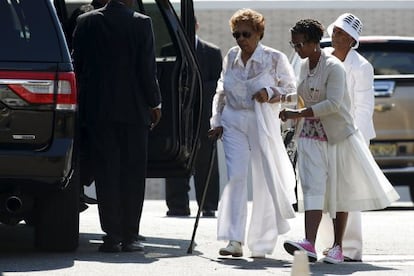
(237, 35)
(298, 45)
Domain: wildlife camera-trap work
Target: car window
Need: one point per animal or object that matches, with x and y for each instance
(392, 58)
(149, 7)
(25, 25)
(390, 63)
(161, 33)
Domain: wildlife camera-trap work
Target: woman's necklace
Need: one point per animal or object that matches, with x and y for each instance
(314, 70)
(313, 81)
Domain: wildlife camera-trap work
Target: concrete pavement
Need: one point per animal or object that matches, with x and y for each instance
(388, 246)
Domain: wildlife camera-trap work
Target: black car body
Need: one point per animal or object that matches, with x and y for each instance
(39, 168)
(38, 103)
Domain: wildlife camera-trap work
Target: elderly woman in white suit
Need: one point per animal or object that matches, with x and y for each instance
(252, 76)
(345, 33)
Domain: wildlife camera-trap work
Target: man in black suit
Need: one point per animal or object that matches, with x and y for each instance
(176, 189)
(86, 170)
(119, 102)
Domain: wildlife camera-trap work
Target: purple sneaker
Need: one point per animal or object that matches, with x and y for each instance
(334, 255)
(305, 245)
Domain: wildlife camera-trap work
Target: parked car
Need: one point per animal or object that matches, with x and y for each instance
(39, 168)
(393, 147)
(38, 102)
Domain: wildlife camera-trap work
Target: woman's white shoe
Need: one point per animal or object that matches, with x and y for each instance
(234, 249)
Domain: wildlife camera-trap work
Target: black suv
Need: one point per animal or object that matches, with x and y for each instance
(39, 168)
(38, 104)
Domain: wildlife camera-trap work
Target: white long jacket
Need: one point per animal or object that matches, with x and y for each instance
(359, 80)
(264, 59)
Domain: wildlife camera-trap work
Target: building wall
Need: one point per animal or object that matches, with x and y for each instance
(378, 18)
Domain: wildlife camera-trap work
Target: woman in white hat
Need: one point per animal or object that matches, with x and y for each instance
(337, 172)
(344, 33)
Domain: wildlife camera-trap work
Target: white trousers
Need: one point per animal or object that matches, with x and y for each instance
(241, 148)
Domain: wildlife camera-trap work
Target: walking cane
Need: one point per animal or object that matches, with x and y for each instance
(200, 207)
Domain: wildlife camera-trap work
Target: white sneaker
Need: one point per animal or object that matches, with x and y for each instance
(234, 249)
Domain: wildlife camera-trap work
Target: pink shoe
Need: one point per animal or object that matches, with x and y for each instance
(334, 255)
(305, 245)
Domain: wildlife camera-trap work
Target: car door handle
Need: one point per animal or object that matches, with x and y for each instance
(383, 107)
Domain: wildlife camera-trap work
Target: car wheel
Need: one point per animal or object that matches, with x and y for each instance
(57, 218)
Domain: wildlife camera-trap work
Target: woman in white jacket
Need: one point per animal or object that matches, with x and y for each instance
(344, 33)
(253, 75)
(336, 169)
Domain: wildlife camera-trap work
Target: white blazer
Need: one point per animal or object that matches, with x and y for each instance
(360, 83)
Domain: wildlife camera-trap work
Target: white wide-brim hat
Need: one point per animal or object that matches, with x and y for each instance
(350, 24)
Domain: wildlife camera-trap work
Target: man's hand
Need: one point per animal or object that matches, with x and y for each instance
(215, 133)
(155, 114)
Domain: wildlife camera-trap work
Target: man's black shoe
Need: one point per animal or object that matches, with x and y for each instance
(109, 248)
(209, 214)
(178, 212)
(132, 246)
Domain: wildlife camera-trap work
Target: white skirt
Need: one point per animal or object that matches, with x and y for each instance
(341, 178)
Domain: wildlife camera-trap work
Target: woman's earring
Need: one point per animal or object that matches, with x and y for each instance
(314, 50)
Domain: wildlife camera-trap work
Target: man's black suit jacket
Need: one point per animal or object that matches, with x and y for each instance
(114, 59)
(210, 61)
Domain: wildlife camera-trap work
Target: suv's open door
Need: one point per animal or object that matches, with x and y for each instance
(173, 142)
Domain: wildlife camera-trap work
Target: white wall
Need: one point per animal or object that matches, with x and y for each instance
(378, 17)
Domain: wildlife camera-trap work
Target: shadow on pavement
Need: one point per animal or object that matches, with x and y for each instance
(254, 264)
(18, 254)
(345, 268)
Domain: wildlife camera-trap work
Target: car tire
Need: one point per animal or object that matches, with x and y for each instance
(57, 218)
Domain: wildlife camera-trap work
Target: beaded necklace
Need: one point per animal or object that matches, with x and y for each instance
(313, 81)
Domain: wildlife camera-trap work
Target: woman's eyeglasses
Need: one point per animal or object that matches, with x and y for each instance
(237, 35)
(298, 45)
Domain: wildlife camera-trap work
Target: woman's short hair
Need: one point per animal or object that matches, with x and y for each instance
(252, 17)
(310, 28)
